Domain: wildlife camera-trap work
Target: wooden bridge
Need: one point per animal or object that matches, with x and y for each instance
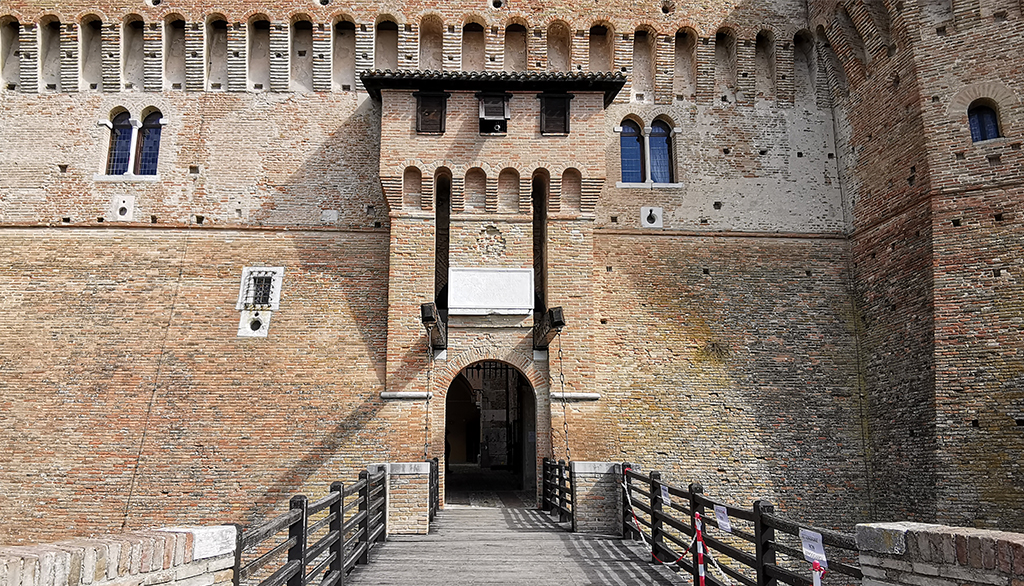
(508, 545)
(600, 523)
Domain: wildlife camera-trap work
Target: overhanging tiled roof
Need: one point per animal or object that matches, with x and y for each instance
(541, 81)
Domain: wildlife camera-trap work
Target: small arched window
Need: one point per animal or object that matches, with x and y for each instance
(983, 120)
(120, 144)
(631, 149)
(661, 152)
(149, 145)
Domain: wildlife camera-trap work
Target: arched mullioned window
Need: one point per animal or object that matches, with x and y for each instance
(631, 151)
(120, 144)
(983, 120)
(661, 152)
(149, 145)
(134, 147)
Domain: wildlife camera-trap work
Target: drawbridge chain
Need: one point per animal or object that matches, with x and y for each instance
(561, 382)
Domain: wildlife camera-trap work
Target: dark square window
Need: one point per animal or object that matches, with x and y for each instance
(261, 290)
(554, 114)
(430, 112)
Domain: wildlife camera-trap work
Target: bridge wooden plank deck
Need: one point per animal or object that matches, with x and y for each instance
(506, 545)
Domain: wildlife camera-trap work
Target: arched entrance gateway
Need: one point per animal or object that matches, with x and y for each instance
(490, 431)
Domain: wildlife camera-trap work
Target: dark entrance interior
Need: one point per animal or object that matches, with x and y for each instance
(490, 430)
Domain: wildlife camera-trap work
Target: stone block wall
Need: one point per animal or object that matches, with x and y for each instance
(177, 556)
(596, 497)
(916, 553)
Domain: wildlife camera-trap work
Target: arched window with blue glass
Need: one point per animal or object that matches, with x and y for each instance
(149, 145)
(983, 120)
(631, 150)
(661, 152)
(120, 144)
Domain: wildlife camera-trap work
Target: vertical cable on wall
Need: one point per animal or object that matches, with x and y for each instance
(156, 384)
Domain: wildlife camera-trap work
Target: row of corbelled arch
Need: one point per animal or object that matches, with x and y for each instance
(483, 189)
(665, 64)
(858, 34)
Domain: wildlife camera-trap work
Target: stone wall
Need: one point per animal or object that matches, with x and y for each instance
(185, 556)
(895, 554)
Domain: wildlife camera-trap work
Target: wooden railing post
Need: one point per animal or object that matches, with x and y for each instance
(628, 531)
(763, 534)
(657, 504)
(545, 491)
(430, 491)
(364, 525)
(297, 531)
(384, 479)
(437, 487)
(560, 499)
(338, 547)
(695, 489)
(572, 497)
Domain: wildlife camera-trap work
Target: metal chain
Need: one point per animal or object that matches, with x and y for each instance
(430, 388)
(561, 382)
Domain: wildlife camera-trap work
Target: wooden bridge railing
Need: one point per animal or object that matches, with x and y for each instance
(557, 490)
(435, 489)
(748, 553)
(316, 543)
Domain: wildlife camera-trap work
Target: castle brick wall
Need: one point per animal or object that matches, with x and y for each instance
(730, 362)
(808, 324)
(131, 399)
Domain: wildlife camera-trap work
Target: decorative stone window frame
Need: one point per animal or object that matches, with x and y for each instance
(133, 154)
(254, 318)
(645, 130)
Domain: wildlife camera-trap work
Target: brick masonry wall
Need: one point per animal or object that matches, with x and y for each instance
(938, 360)
(894, 554)
(200, 556)
(743, 378)
(859, 378)
(123, 375)
(408, 497)
(979, 357)
(596, 497)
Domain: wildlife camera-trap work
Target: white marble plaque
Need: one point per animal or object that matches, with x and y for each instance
(488, 291)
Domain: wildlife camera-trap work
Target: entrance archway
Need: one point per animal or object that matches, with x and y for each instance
(490, 430)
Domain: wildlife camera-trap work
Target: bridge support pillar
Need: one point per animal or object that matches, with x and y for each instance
(409, 496)
(597, 497)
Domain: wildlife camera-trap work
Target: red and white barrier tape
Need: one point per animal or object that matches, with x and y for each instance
(817, 572)
(698, 540)
(636, 523)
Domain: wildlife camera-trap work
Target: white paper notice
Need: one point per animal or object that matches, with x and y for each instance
(723, 518)
(813, 549)
(665, 497)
